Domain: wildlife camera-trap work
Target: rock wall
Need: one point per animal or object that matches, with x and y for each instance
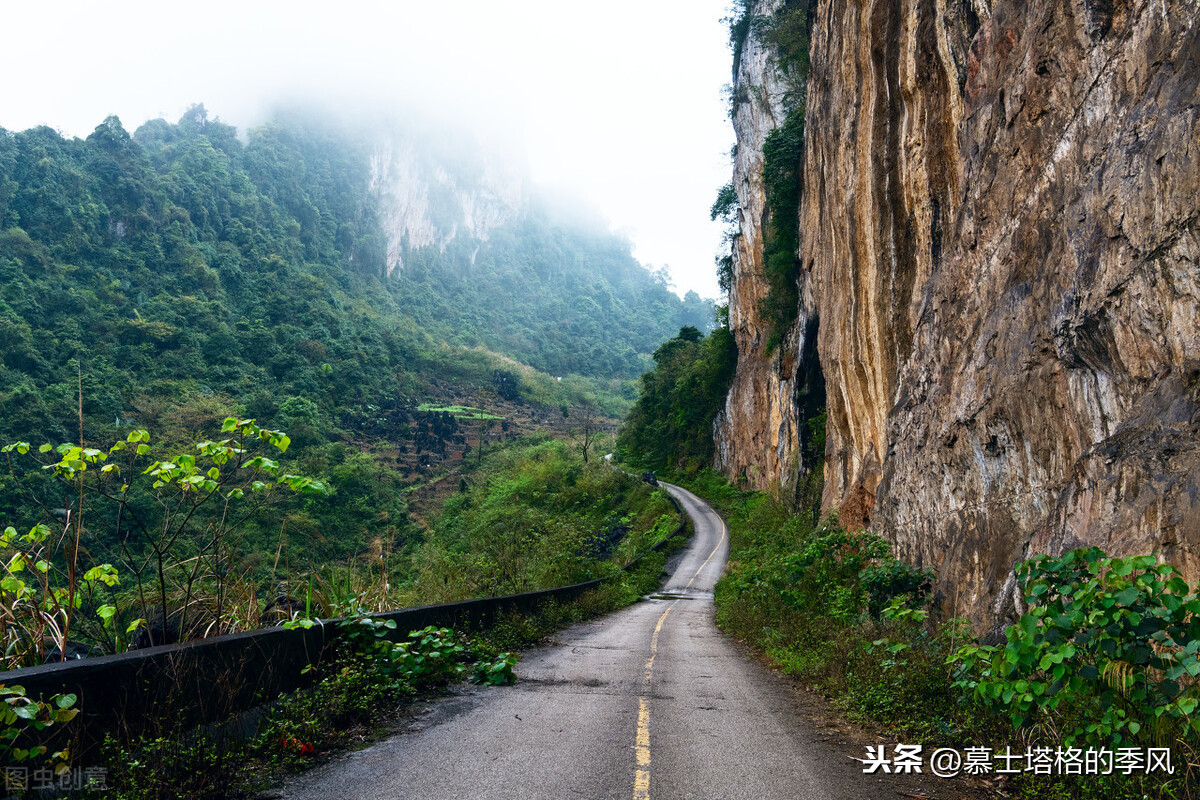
(999, 232)
(882, 179)
(426, 199)
(757, 433)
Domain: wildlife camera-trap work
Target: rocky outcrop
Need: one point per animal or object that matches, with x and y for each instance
(757, 433)
(1000, 235)
(1049, 399)
(424, 200)
(884, 178)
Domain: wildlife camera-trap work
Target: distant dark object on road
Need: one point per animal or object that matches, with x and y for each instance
(649, 478)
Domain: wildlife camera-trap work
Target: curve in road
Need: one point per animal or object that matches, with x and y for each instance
(651, 701)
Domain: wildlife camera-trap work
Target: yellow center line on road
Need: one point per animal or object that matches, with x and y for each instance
(710, 556)
(654, 641)
(641, 776)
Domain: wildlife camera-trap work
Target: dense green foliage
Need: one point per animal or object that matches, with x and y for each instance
(788, 33)
(1109, 649)
(185, 274)
(173, 522)
(27, 724)
(783, 172)
(671, 425)
(180, 259)
(1105, 656)
(536, 517)
(573, 301)
(190, 275)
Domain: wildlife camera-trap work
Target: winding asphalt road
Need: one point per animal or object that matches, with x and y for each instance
(652, 701)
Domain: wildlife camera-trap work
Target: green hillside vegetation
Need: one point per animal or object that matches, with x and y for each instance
(536, 516)
(215, 533)
(573, 301)
(180, 262)
(185, 275)
(670, 427)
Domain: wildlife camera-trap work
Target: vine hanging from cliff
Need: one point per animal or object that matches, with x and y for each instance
(783, 172)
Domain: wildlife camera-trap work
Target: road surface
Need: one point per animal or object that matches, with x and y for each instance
(649, 702)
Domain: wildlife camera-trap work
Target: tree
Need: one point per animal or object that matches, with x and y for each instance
(670, 425)
(587, 426)
(173, 519)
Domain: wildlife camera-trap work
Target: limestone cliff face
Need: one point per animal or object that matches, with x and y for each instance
(757, 433)
(883, 179)
(1000, 237)
(426, 200)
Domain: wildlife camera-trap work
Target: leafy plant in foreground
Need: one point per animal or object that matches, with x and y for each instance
(495, 672)
(37, 603)
(22, 718)
(1108, 652)
(174, 518)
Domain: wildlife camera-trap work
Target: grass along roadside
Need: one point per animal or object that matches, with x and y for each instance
(366, 692)
(1103, 659)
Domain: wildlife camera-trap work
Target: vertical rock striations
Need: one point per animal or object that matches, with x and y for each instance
(757, 432)
(1049, 400)
(999, 236)
(883, 179)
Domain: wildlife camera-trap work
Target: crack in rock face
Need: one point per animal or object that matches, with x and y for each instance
(756, 433)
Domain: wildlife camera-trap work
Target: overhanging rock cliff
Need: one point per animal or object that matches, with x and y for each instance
(999, 238)
(758, 434)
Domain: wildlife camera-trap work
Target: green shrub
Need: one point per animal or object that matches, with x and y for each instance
(495, 672)
(23, 725)
(890, 578)
(825, 575)
(433, 656)
(1108, 652)
(197, 768)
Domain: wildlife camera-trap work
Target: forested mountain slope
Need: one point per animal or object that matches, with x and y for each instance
(384, 313)
(183, 260)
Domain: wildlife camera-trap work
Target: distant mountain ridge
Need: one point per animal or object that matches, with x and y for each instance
(185, 259)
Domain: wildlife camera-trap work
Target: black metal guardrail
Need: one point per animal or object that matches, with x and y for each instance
(162, 690)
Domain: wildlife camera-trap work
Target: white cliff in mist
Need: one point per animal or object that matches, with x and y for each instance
(425, 198)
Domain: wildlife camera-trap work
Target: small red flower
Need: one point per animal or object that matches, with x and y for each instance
(304, 748)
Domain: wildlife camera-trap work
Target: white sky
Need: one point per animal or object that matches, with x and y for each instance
(619, 102)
